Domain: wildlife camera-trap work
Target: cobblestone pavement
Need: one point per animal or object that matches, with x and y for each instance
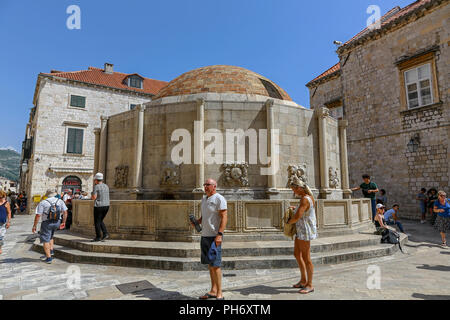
(421, 273)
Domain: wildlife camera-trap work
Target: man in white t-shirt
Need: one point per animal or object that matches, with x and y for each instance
(214, 221)
(48, 227)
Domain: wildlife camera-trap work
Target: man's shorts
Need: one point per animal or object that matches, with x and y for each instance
(48, 229)
(205, 245)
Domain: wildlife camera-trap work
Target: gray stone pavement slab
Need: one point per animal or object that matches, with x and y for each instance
(420, 273)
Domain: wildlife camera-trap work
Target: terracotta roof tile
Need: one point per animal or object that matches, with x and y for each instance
(115, 80)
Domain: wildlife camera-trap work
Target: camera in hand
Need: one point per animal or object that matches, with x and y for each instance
(196, 224)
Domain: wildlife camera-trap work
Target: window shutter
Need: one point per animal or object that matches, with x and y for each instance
(77, 101)
(75, 141)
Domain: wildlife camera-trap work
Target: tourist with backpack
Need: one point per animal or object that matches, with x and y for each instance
(54, 216)
(5, 217)
(100, 195)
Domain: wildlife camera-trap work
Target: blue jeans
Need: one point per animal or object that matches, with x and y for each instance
(397, 223)
(374, 208)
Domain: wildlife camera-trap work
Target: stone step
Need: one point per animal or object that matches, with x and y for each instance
(229, 263)
(231, 249)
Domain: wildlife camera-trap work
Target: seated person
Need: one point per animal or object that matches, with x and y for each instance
(391, 217)
(379, 219)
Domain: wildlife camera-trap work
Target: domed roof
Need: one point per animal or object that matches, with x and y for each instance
(222, 79)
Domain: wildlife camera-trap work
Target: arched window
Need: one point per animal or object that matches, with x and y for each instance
(72, 183)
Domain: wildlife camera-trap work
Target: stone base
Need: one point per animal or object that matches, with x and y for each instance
(236, 255)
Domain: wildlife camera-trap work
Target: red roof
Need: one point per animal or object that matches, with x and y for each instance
(332, 70)
(389, 17)
(115, 80)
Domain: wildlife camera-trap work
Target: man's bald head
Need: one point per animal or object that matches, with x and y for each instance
(210, 187)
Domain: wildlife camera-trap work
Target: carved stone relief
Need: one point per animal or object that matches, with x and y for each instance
(333, 177)
(235, 174)
(298, 171)
(121, 177)
(171, 174)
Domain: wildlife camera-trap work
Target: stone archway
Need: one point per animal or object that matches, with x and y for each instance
(71, 183)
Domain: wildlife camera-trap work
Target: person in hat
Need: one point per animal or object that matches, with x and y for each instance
(305, 222)
(100, 195)
(380, 223)
(214, 217)
(49, 226)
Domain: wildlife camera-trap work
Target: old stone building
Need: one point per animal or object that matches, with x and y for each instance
(391, 84)
(58, 150)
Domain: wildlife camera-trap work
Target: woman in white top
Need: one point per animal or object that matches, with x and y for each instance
(305, 221)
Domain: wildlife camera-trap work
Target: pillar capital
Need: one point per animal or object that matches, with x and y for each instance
(97, 131)
(323, 112)
(343, 123)
(199, 102)
(104, 118)
(269, 103)
(140, 107)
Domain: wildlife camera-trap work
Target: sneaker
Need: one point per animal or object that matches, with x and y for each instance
(43, 258)
(106, 236)
(422, 221)
(96, 240)
(48, 260)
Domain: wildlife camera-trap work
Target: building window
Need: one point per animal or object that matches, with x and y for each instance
(418, 84)
(77, 101)
(75, 140)
(418, 81)
(336, 108)
(133, 106)
(135, 82)
(337, 113)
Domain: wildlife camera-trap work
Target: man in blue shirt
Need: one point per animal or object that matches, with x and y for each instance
(391, 217)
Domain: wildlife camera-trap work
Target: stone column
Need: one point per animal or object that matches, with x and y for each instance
(139, 147)
(103, 146)
(272, 190)
(322, 114)
(199, 149)
(343, 124)
(97, 149)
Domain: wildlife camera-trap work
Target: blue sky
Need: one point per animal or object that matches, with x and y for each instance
(288, 41)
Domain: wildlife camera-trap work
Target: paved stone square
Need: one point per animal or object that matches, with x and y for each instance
(420, 273)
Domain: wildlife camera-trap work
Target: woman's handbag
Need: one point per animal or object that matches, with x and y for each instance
(290, 230)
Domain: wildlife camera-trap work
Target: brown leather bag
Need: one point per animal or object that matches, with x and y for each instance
(290, 230)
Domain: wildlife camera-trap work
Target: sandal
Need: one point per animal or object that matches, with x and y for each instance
(207, 296)
(223, 298)
(298, 286)
(306, 291)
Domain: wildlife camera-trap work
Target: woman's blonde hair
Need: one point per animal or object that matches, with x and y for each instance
(296, 182)
(442, 193)
(2, 194)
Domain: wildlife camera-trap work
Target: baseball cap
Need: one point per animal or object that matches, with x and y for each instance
(379, 206)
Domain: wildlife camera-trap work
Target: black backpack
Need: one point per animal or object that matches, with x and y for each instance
(54, 212)
(391, 236)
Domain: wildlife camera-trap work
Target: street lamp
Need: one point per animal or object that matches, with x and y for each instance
(413, 144)
(24, 166)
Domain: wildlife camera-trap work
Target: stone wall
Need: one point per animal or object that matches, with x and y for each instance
(325, 92)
